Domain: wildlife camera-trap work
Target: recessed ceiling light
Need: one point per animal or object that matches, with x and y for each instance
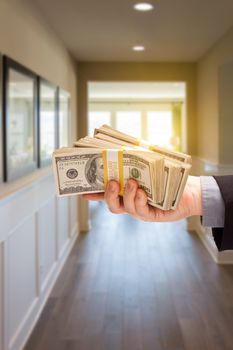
(143, 6)
(138, 48)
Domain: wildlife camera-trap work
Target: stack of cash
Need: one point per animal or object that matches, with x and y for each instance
(109, 154)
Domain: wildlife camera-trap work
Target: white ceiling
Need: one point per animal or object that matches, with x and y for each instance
(105, 30)
(127, 90)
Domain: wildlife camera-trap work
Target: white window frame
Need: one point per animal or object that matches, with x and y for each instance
(142, 106)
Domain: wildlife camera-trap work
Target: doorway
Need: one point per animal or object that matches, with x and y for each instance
(154, 111)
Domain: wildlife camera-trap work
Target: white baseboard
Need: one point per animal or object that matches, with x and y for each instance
(225, 257)
(85, 227)
(205, 167)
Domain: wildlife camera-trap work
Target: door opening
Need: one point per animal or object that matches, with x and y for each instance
(154, 111)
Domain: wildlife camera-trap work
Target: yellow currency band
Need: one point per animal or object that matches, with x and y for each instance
(121, 173)
(120, 170)
(144, 144)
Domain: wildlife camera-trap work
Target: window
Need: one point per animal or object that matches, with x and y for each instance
(157, 123)
(159, 128)
(129, 122)
(64, 116)
(48, 121)
(153, 111)
(96, 119)
(20, 120)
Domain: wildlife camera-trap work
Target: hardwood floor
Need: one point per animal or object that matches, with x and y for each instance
(130, 285)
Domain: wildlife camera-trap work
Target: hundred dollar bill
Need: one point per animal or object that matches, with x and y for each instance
(176, 167)
(87, 170)
(78, 172)
(174, 175)
(110, 154)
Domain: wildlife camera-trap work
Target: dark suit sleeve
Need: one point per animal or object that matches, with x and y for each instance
(224, 236)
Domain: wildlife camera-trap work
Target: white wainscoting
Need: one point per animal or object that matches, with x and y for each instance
(73, 210)
(37, 233)
(46, 237)
(1, 296)
(205, 168)
(63, 223)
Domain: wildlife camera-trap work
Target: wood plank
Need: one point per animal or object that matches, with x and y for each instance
(130, 285)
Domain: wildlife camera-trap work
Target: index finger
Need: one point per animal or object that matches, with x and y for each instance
(112, 198)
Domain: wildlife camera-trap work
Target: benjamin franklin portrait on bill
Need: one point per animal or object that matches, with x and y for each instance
(94, 171)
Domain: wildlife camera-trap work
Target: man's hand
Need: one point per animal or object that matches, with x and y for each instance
(134, 201)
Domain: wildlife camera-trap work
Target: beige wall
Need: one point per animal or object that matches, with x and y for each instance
(214, 141)
(226, 113)
(26, 38)
(140, 72)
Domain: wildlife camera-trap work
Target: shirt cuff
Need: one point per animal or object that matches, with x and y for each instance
(212, 203)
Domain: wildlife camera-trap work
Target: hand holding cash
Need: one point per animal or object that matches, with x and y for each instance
(134, 202)
(159, 173)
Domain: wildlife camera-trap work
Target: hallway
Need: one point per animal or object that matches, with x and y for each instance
(131, 285)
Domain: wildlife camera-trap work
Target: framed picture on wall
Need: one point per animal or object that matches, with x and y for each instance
(64, 118)
(1, 121)
(48, 121)
(19, 120)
